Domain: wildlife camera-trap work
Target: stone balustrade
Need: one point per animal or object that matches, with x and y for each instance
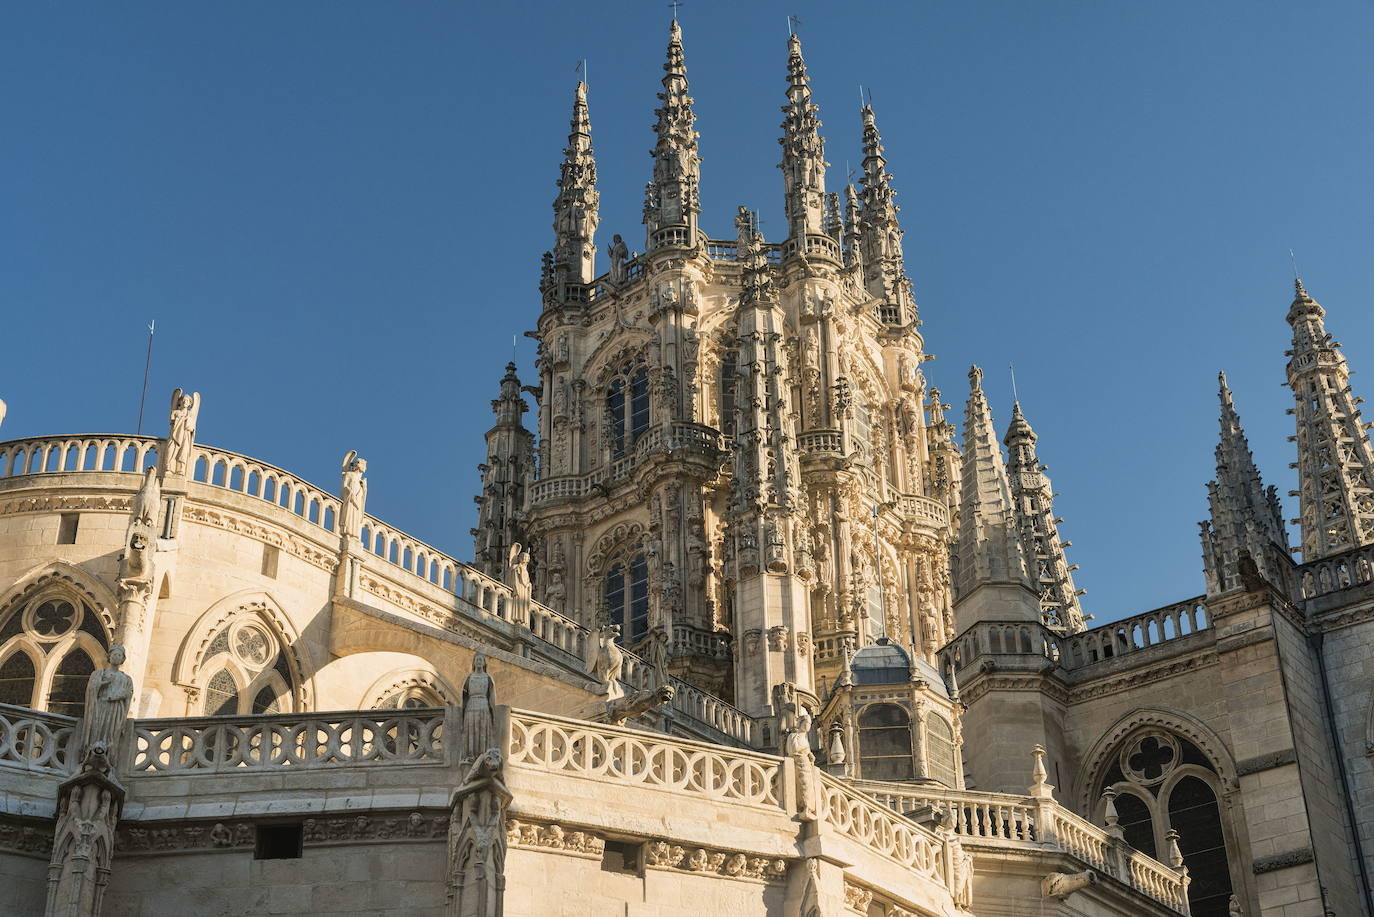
(1339, 571)
(876, 827)
(1133, 634)
(278, 742)
(677, 435)
(819, 443)
(627, 756)
(48, 454)
(694, 703)
(252, 478)
(923, 509)
(34, 741)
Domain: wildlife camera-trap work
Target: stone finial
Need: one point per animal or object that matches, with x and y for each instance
(1040, 787)
(1173, 855)
(1111, 816)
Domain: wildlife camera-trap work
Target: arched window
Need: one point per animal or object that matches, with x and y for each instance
(1164, 782)
(410, 697)
(627, 407)
(18, 676)
(221, 695)
(729, 377)
(627, 597)
(250, 671)
(940, 750)
(885, 743)
(68, 692)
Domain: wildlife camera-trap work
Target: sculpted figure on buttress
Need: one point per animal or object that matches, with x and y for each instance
(181, 432)
(352, 495)
(147, 505)
(609, 661)
(619, 255)
(108, 695)
(479, 715)
(797, 746)
(518, 579)
(2, 411)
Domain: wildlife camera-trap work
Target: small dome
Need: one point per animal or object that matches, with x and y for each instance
(882, 663)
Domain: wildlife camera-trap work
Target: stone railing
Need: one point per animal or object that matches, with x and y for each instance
(34, 741)
(864, 820)
(1133, 634)
(252, 478)
(1337, 572)
(1006, 819)
(1001, 638)
(814, 246)
(707, 709)
(47, 454)
(820, 442)
(625, 756)
(287, 742)
(679, 434)
(924, 509)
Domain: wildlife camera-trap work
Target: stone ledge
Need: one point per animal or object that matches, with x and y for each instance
(1282, 860)
(1265, 762)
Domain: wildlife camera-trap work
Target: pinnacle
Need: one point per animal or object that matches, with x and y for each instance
(1019, 428)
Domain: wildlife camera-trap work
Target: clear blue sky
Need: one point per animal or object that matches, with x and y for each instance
(335, 212)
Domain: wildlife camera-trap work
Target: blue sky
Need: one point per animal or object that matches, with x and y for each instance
(335, 211)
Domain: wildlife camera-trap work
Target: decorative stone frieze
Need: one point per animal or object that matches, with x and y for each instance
(60, 503)
(296, 547)
(554, 837)
(664, 854)
(134, 838)
(1265, 762)
(25, 835)
(857, 897)
(1282, 860)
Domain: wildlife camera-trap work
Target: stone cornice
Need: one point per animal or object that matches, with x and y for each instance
(1127, 681)
(1283, 860)
(1266, 762)
(134, 838)
(297, 547)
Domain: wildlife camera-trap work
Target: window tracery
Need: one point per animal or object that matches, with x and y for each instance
(50, 642)
(249, 670)
(627, 406)
(626, 595)
(885, 743)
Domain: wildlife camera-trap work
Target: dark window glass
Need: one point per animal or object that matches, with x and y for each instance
(639, 405)
(639, 598)
(16, 680)
(221, 695)
(90, 623)
(279, 842)
(1193, 813)
(1136, 823)
(615, 410)
(266, 701)
(885, 743)
(68, 694)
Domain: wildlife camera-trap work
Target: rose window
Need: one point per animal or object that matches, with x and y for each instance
(53, 619)
(252, 646)
(1151, 758)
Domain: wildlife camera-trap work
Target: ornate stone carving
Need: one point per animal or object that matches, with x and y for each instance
(108, 695)
(554, 837)
(175, 455)
(1061, 884)
(666, 855)
(857, 897)
(609, 661)
(352, 496)
(477, 840)
(479, 701)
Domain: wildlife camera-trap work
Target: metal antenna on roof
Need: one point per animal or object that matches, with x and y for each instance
(147, 364)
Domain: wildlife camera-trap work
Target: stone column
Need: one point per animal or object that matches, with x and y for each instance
(83, 844)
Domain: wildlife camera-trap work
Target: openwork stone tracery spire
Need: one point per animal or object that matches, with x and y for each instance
(1335, 462)
(1033, 499)
(575, 216)
(880, 236)
(672, 199)
(1245, 516)
(505, 475)
(803, 155)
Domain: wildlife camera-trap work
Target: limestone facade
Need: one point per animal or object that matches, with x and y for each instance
(745, 632)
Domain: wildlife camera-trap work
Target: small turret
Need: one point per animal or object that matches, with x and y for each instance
(672, 199)
(1335, 462)
(884, 269)
(575, 214)
(1033, 499)
(505, 475)
(1245, 517)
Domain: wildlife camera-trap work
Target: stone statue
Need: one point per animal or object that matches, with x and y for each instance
(609, 661)
(108, 695)
(2, 411)
(518, 579)
(658, 655)
(477, 840)
(479, 714)
(1233, 908)
(775, 548)
(621, 709)
(556, 591)
(797, 746)
(352, 495)
(181, 433)
(619, 254)
(147, 504)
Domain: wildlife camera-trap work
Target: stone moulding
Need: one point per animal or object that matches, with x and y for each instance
(295, 546)
(1282, 860)
(26, 835)
(662, 854)
(239, 834)
(1265, 762)
(554, 838)
(53, 503)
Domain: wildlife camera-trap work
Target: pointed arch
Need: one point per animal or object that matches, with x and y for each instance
(407, 683)
(1099, 757)
(61, 576)
(250, 605)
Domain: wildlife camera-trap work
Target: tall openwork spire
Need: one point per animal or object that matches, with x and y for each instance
(990, 552)
(884, 270)
(672, 199)
(1244, 515)
(575, 208)
(803, 159)
(506, 473)
(1335, 462)
(1033, 499)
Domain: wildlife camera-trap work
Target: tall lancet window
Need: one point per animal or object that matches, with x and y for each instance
(863, 427)
(729, 378)
(627, 407)
(627, 597)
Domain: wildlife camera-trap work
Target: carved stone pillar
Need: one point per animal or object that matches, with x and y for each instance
(477, 840)
(83, 843)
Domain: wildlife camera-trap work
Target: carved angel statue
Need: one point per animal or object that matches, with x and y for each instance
(181, 432)
(352, 495)
(108, 695)
(2, 410)
(609, 661)
(479, 715)
(518, 579)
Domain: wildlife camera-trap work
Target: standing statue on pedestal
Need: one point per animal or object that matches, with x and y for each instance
(479, 714)
(797, 746)
(147, 503)
(658, 655)
(2, 411)
(181, 433)
(352, 495)
(518, 579)
(609, 661)
(619, 254)
(108, 695)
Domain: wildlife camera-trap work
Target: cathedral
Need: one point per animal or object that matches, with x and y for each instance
(752, 626)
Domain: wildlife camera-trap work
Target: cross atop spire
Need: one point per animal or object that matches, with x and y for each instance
(575, 214)
(803, 153)
(1244, 515)
(672, 198)
(884, 268)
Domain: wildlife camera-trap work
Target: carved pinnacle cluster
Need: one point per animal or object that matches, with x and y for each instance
(1335, 462)
(575, 215)
(803, 151)
(1033, 499)
(505, 474)
(672, 198)
(884, 269)
(989, 543)
(757, 283)
(1245, 516)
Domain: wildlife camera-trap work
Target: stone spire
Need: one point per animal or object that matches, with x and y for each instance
(943, 470)
(1245, 516)
(505, 474)
(992, 582)
(575, 208)
(853, 242)
(1033, 499)
(803, 155)
(672, 198)
(1335, 462)
(884, 270)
